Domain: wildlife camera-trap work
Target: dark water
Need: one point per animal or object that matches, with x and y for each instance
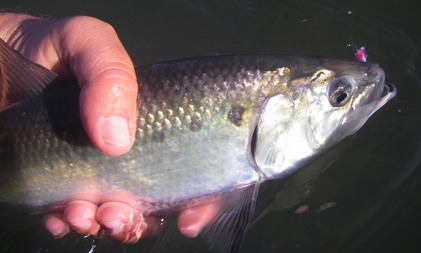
(362, 196)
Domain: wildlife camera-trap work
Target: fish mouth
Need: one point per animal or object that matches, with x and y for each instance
(389, 91)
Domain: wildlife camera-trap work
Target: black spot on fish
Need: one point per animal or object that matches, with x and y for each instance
(195, 126)
(158, 136)
(235, 115)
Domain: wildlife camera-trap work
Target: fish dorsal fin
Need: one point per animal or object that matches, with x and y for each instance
(21, 78)
(226, 232)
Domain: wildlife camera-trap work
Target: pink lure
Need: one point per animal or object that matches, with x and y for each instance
(361, 54)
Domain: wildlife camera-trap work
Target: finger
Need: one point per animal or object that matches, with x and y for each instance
(80, 215)
(124, 223)
(55, 224)
(193, 220)
(106, 74)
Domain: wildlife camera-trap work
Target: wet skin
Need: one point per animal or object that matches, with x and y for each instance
(88, 50)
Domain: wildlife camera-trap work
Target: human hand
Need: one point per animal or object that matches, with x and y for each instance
(89, 50)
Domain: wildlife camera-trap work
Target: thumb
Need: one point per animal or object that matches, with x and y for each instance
(106, 75)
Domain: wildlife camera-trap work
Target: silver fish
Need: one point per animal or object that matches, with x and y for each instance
(207, 128)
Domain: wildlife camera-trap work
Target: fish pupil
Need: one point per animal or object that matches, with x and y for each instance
(341, 98)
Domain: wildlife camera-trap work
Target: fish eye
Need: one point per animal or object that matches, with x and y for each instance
(339, 92)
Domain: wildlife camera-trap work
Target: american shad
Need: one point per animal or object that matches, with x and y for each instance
(208, 129)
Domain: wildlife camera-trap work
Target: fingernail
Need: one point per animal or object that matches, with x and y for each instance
(115, 131)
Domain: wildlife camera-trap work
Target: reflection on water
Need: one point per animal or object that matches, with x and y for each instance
(363, 196)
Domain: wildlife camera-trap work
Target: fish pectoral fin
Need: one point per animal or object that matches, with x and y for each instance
(168, 233)
(226, 231)
(21, 78)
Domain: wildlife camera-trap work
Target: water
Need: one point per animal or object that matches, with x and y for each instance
(362, 196)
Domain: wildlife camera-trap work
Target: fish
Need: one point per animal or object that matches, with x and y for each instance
(210, 128)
